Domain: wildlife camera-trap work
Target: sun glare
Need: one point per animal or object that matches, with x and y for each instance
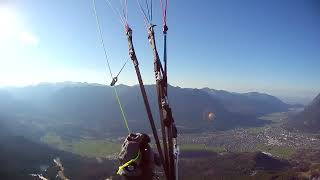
(9, 24)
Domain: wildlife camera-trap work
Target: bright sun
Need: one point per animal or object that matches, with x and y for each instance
(16, 37)
(9, 23)
(12, 29)
(9, 28)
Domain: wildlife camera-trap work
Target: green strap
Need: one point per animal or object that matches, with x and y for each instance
(121, 109)
(128, 163)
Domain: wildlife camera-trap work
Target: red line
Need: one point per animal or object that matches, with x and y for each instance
(164, 11)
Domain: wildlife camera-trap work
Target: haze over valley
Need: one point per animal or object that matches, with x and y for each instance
(77, 123)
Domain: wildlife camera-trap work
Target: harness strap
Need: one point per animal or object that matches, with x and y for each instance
(121, 168)
(134, 59)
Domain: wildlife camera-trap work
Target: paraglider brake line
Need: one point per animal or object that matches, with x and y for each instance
(114, 79)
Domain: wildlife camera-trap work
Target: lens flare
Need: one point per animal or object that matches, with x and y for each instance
(211, 116)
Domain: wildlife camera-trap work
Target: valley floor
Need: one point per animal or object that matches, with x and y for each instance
(299, 151)
(272, 138)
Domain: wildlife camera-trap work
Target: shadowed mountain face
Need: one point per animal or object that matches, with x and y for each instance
(249, 165)
(93, 106)
(309, 119)
(21, 157)
(252, 103)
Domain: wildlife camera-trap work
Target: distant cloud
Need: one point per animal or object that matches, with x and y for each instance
(28, 38)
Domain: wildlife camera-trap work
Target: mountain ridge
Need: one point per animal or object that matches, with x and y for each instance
(81, 103)
(309, 119)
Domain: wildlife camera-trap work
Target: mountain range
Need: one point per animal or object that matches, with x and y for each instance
(309, 119)
(79, 108)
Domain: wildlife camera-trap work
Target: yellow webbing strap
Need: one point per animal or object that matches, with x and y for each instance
(128, 163)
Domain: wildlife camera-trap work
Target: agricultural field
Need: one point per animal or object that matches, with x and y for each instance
(84, 147)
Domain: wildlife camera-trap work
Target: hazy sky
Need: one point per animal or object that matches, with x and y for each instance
(249, 45)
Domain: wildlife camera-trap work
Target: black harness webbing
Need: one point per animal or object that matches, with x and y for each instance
(167, 122)
(134, 59)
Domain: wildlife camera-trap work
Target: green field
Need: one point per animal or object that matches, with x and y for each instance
(275, 117)
(255, 131)
(83, 147)
(283, 152)
(201, 147)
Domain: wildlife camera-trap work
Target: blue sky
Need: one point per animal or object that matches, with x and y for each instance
(270, 46)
